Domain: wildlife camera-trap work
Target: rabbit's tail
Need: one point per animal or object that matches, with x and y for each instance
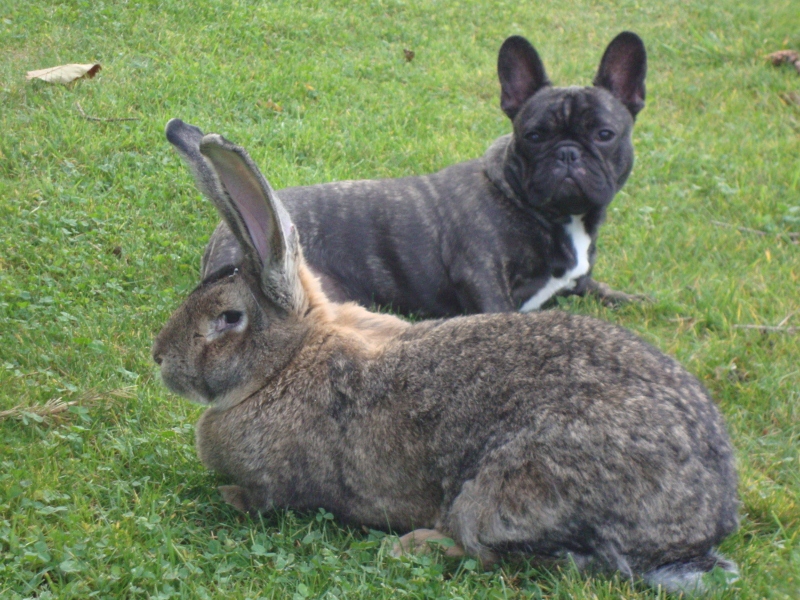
(687, 576)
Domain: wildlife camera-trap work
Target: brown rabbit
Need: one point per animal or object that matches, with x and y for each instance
(547, 434)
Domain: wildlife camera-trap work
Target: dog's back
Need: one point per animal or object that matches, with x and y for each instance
(392, 242)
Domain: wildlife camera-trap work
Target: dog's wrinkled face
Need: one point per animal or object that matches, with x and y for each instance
(572, 147)
(573, 150)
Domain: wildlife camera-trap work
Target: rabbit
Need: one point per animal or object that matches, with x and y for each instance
(545, 434)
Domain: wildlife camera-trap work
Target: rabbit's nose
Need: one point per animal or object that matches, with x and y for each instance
(158, 359)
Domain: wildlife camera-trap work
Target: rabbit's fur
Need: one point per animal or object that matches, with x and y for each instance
(547, 434)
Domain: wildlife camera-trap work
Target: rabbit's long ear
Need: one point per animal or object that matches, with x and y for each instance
(257, 219)
(223, 250)
(186, 140)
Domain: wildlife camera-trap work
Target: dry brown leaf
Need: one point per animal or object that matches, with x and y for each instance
(785, 56)
(408, 54)
(65, 73)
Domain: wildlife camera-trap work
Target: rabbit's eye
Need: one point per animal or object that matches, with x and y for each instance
(231, 317)
(229, 320)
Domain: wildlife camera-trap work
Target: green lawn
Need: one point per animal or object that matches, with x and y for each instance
(101, 231)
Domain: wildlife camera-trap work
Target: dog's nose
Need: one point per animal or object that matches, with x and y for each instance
(568, 154)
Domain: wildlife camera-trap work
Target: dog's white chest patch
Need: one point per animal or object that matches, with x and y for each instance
(580, 242)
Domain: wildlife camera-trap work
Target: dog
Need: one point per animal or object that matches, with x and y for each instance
(501, 233)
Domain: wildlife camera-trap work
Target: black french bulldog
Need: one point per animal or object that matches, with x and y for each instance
(504, 232)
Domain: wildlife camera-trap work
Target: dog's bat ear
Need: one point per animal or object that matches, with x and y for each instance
(623, 69)
(521, 74)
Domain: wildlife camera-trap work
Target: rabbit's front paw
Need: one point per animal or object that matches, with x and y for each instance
(420, 541)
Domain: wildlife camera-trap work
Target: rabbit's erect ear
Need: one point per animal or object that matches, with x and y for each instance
(223, 249)
(257, 219)
(264, 234)
(186, 140)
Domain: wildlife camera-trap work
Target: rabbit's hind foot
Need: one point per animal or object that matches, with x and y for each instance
(422, 541)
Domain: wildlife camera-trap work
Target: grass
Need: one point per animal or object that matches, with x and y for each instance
(102, 232)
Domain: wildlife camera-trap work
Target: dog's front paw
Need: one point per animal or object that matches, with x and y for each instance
(421, 541)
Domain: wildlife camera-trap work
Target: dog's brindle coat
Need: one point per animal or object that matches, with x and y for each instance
(504, 232)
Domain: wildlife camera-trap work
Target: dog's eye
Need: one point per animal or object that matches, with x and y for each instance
(605, 135)
(231, 317)
(537, 135)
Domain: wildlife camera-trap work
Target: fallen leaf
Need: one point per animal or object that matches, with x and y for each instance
(65, 73)
(785, 56)
(409, 54)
